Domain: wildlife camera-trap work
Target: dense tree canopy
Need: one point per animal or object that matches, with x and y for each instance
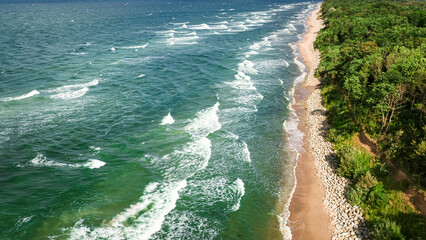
(374, 56)
(373, 60)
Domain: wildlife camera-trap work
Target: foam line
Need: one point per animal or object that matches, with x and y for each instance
(136, 47)
(71, 94)
(27, 95)
(41, 161)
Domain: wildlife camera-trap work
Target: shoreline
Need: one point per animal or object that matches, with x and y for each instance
(318, 207)
(308, 217)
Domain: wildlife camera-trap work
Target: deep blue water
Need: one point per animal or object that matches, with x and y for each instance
(147, 120)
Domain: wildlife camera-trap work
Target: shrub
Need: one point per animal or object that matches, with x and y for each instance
(354, 196)
(378, 195)
(385, 229)
(352, 163)
(366, 182)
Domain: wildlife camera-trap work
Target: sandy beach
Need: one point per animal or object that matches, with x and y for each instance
(308, 219)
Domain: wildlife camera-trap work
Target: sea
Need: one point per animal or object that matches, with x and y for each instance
(149, 119)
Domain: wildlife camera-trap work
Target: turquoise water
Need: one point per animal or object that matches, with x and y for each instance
(147, 120)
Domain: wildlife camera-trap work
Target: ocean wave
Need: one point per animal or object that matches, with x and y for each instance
(27, 95)
(22, 221)
(255, 46)
(136, 47)
(147, 215)
(74, 86)
(183, 40)
(250, 53)
(291, 27)
(245, 152)
(206, 122)
(242, 82)
(78, 53)
(202, 26)
(207, 192)
(167, 120)
(247, 67)
(73, 91)
(71, 94)
(219, 27)
(41, 161)
(238, 188)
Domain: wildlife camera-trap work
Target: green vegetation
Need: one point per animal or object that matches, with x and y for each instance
(373, 71)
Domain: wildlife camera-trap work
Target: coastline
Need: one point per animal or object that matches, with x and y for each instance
(318, 208)
(308, 217)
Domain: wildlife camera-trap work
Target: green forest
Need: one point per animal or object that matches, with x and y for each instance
(373, 81)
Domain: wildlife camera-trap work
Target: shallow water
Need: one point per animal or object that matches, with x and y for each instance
(147, 120)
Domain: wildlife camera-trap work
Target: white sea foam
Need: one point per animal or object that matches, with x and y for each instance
(219, 27)
(75, 86)
(250, 53)
(239, 26)
(183, 40)
(266, 66)
(239, 190)
(188, 225)
(70, 94)
(246, 153)
(94, 163)
(299, 64)
(23, 221)
(95, 148)
(214, 190)
(265, 42)
(232, 136)
(185, 161)
(205, 123)
(27, 95)
(170, 32)
(147, 215)
(202, 26)
(136, 47)
(141, 75)
(78, 53)
(285, 31)
(180, 23)
(247, 67)
(167, 120)
(41, 161)
(291, 27)
(255, 46)
(285, 63)
(242, 82)
(112, 49)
